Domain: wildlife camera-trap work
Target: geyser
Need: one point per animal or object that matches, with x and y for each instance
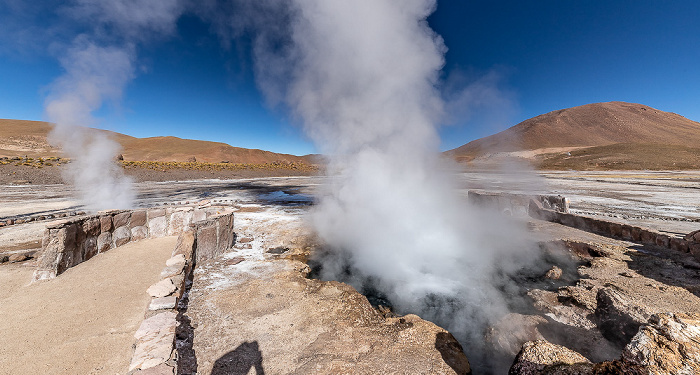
(363, 78)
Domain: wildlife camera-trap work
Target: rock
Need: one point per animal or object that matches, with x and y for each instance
(693, 236)
(185, 244)
(90, 247)
(509, 334)
(121, 236)
(234, 261)
(277, 250)
(619, 317)
(92, 227)
(105, 223)
(244, 240)
(668, 344)
(4, 258)
(175, 260)
(156, 338)
(158, 226)
(162, 288)
(138, 218)
(172, 270)
(15, 258)
(121, 220)
(104, 242)
(139, 233)
(554, 273)
(163, 303)
(540, 357)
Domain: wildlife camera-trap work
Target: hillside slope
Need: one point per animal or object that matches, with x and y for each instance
(20, 137)
(598, 124)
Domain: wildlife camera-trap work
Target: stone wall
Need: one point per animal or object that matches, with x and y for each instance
(517, 204)
(687, 244)
(155, 348)
(67, 243)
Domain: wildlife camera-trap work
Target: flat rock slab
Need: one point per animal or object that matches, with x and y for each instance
(163, 303)
(176, 260)
(162, 288)
(156, 337)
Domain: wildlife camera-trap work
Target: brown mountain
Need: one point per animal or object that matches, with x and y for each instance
(20, 137)
(594, 127)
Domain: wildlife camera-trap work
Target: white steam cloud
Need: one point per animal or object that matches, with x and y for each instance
(98, 65)
(363, 77)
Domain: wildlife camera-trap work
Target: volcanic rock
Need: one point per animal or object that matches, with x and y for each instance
(15, 258)
(541, 357)
(669, 344)
(509, 334)
(554, 273)
(619, 317)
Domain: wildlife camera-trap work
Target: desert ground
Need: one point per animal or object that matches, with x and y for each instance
(232, 328)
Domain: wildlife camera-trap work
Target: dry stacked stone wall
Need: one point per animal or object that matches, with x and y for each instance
(687, 244)
(517, 204)
(67, 243)
(155, 351)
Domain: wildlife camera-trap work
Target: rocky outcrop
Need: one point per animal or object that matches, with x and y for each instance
(619, 318)
(668, 345)
(542, 357)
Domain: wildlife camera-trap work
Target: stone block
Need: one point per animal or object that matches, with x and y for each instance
(662, 240)
(206, 242)
(121, 236)
(177, 260)
(121, 220)
(172, 270)
(162, 303)
(156, 340)
(647, 236)
(92, 226)
(106, 223)
(694, 249)
(185, 244)
(104, 242)
(138, 219)
(90, 247)
(179, 220)
(162, 288)
(199, 214)
(155, 212)
(139, 233)
(157, 227)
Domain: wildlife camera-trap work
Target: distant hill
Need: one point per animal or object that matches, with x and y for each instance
(558, 139)
(20, 137)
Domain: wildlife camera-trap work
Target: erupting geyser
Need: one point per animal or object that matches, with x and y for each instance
(363, 77)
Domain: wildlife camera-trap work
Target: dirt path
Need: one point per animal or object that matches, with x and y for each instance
(83, 321)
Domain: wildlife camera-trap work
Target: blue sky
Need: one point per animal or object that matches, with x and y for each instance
(539, 55)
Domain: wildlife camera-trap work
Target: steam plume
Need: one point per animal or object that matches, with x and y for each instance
(98, 65)
(363, 76)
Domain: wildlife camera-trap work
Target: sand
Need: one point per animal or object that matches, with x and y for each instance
(83, 321)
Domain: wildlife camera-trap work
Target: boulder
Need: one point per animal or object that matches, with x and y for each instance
(541, 357)
(668, 344)
(15, 258)
(619, 317)
(175, 260)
